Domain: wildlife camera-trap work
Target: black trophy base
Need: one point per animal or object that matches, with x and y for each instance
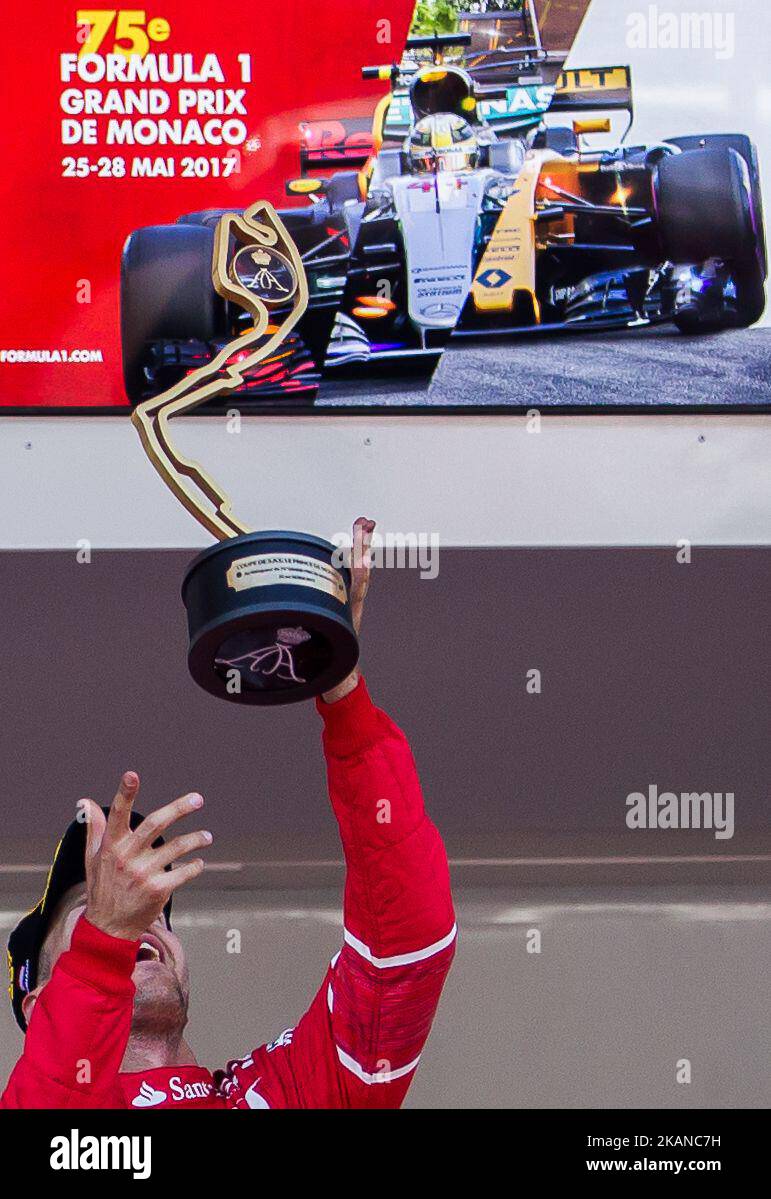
(269, 618)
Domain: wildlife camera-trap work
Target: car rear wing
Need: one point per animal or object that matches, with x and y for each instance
(513, 106)
(593, 89)
(589, 89)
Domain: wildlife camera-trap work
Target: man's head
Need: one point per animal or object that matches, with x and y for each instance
(160, 975)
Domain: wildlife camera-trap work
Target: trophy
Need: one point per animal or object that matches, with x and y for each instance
(269, 616)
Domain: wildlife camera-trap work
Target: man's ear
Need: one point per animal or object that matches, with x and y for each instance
(28, 1003)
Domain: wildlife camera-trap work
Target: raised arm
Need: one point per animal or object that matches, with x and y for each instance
(359, 1043)
(79, 1030)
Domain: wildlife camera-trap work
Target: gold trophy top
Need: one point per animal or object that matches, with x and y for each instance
(256, 265)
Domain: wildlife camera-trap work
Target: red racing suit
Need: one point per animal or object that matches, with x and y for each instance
(359, 1042)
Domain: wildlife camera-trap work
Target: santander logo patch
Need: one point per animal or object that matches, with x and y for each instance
(179, 1092)
(148, 1096)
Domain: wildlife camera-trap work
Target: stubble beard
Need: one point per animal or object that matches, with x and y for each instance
(160, 1007)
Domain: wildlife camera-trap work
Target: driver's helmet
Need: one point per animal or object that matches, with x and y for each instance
(443, 142)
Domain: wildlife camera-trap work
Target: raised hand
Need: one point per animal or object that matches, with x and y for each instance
(361, 569)
(126, 881)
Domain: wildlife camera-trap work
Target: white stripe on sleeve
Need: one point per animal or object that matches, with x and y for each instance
(400, 959)
(383, 1075)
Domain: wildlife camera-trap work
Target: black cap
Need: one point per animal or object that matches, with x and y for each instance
(68, 869)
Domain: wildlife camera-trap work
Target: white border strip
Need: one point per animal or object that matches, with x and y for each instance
(583, 480)
(400, 959)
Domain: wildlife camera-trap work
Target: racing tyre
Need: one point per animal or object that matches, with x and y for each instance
(746, 148)
(705, 210)
(166, 293)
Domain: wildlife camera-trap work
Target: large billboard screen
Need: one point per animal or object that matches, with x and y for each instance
(495, 204)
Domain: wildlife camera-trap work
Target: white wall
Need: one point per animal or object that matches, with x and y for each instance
(483, 480)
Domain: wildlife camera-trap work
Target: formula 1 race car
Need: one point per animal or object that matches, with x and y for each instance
(460, 211)
(484, 219)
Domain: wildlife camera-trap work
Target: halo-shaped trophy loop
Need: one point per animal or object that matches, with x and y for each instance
(256, 265)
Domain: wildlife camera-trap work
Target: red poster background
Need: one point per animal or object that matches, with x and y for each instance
(306, 59)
